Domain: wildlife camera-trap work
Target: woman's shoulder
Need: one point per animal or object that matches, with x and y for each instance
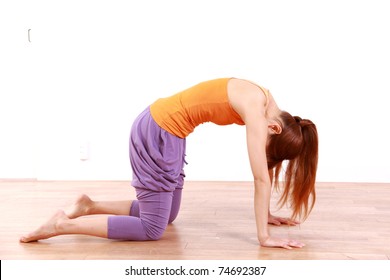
(246, 96)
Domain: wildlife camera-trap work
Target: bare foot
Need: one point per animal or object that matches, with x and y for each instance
(48, 229)
(80, 208)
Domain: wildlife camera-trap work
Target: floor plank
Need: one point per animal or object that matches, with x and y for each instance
(216, 221)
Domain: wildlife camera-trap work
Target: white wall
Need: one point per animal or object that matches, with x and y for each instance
(97, 64)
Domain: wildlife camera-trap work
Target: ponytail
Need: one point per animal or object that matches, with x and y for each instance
(298, 143)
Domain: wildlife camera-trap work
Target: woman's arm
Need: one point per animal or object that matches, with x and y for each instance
(256, 141)
(249, 102)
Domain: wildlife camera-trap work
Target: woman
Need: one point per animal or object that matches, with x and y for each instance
(157, 149)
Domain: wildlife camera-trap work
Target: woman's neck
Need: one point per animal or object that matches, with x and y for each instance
(272, 111)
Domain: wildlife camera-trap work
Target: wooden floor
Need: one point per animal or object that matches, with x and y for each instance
(216, 221)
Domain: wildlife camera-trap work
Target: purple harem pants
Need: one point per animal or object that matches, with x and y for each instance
(157, 161)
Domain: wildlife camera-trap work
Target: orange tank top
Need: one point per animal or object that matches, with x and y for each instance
(205, 102)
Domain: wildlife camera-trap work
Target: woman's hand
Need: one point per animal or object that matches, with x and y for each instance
(281, 243)
(277, 221)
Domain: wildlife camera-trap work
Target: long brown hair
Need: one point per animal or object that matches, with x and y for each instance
(297, 143)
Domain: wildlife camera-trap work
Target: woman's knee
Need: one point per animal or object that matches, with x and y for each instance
(155, 236)
(175, 207)
(173, 217)
(156, 210)
(134, 208)
(155, 231)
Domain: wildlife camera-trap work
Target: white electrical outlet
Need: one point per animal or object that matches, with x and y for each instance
(84, 150)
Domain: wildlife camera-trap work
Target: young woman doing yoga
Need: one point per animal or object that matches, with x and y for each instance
(157, 151)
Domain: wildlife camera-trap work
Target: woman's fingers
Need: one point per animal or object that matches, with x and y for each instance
(274, 222)
(282, 243)
(277, 221)
(296, 244)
